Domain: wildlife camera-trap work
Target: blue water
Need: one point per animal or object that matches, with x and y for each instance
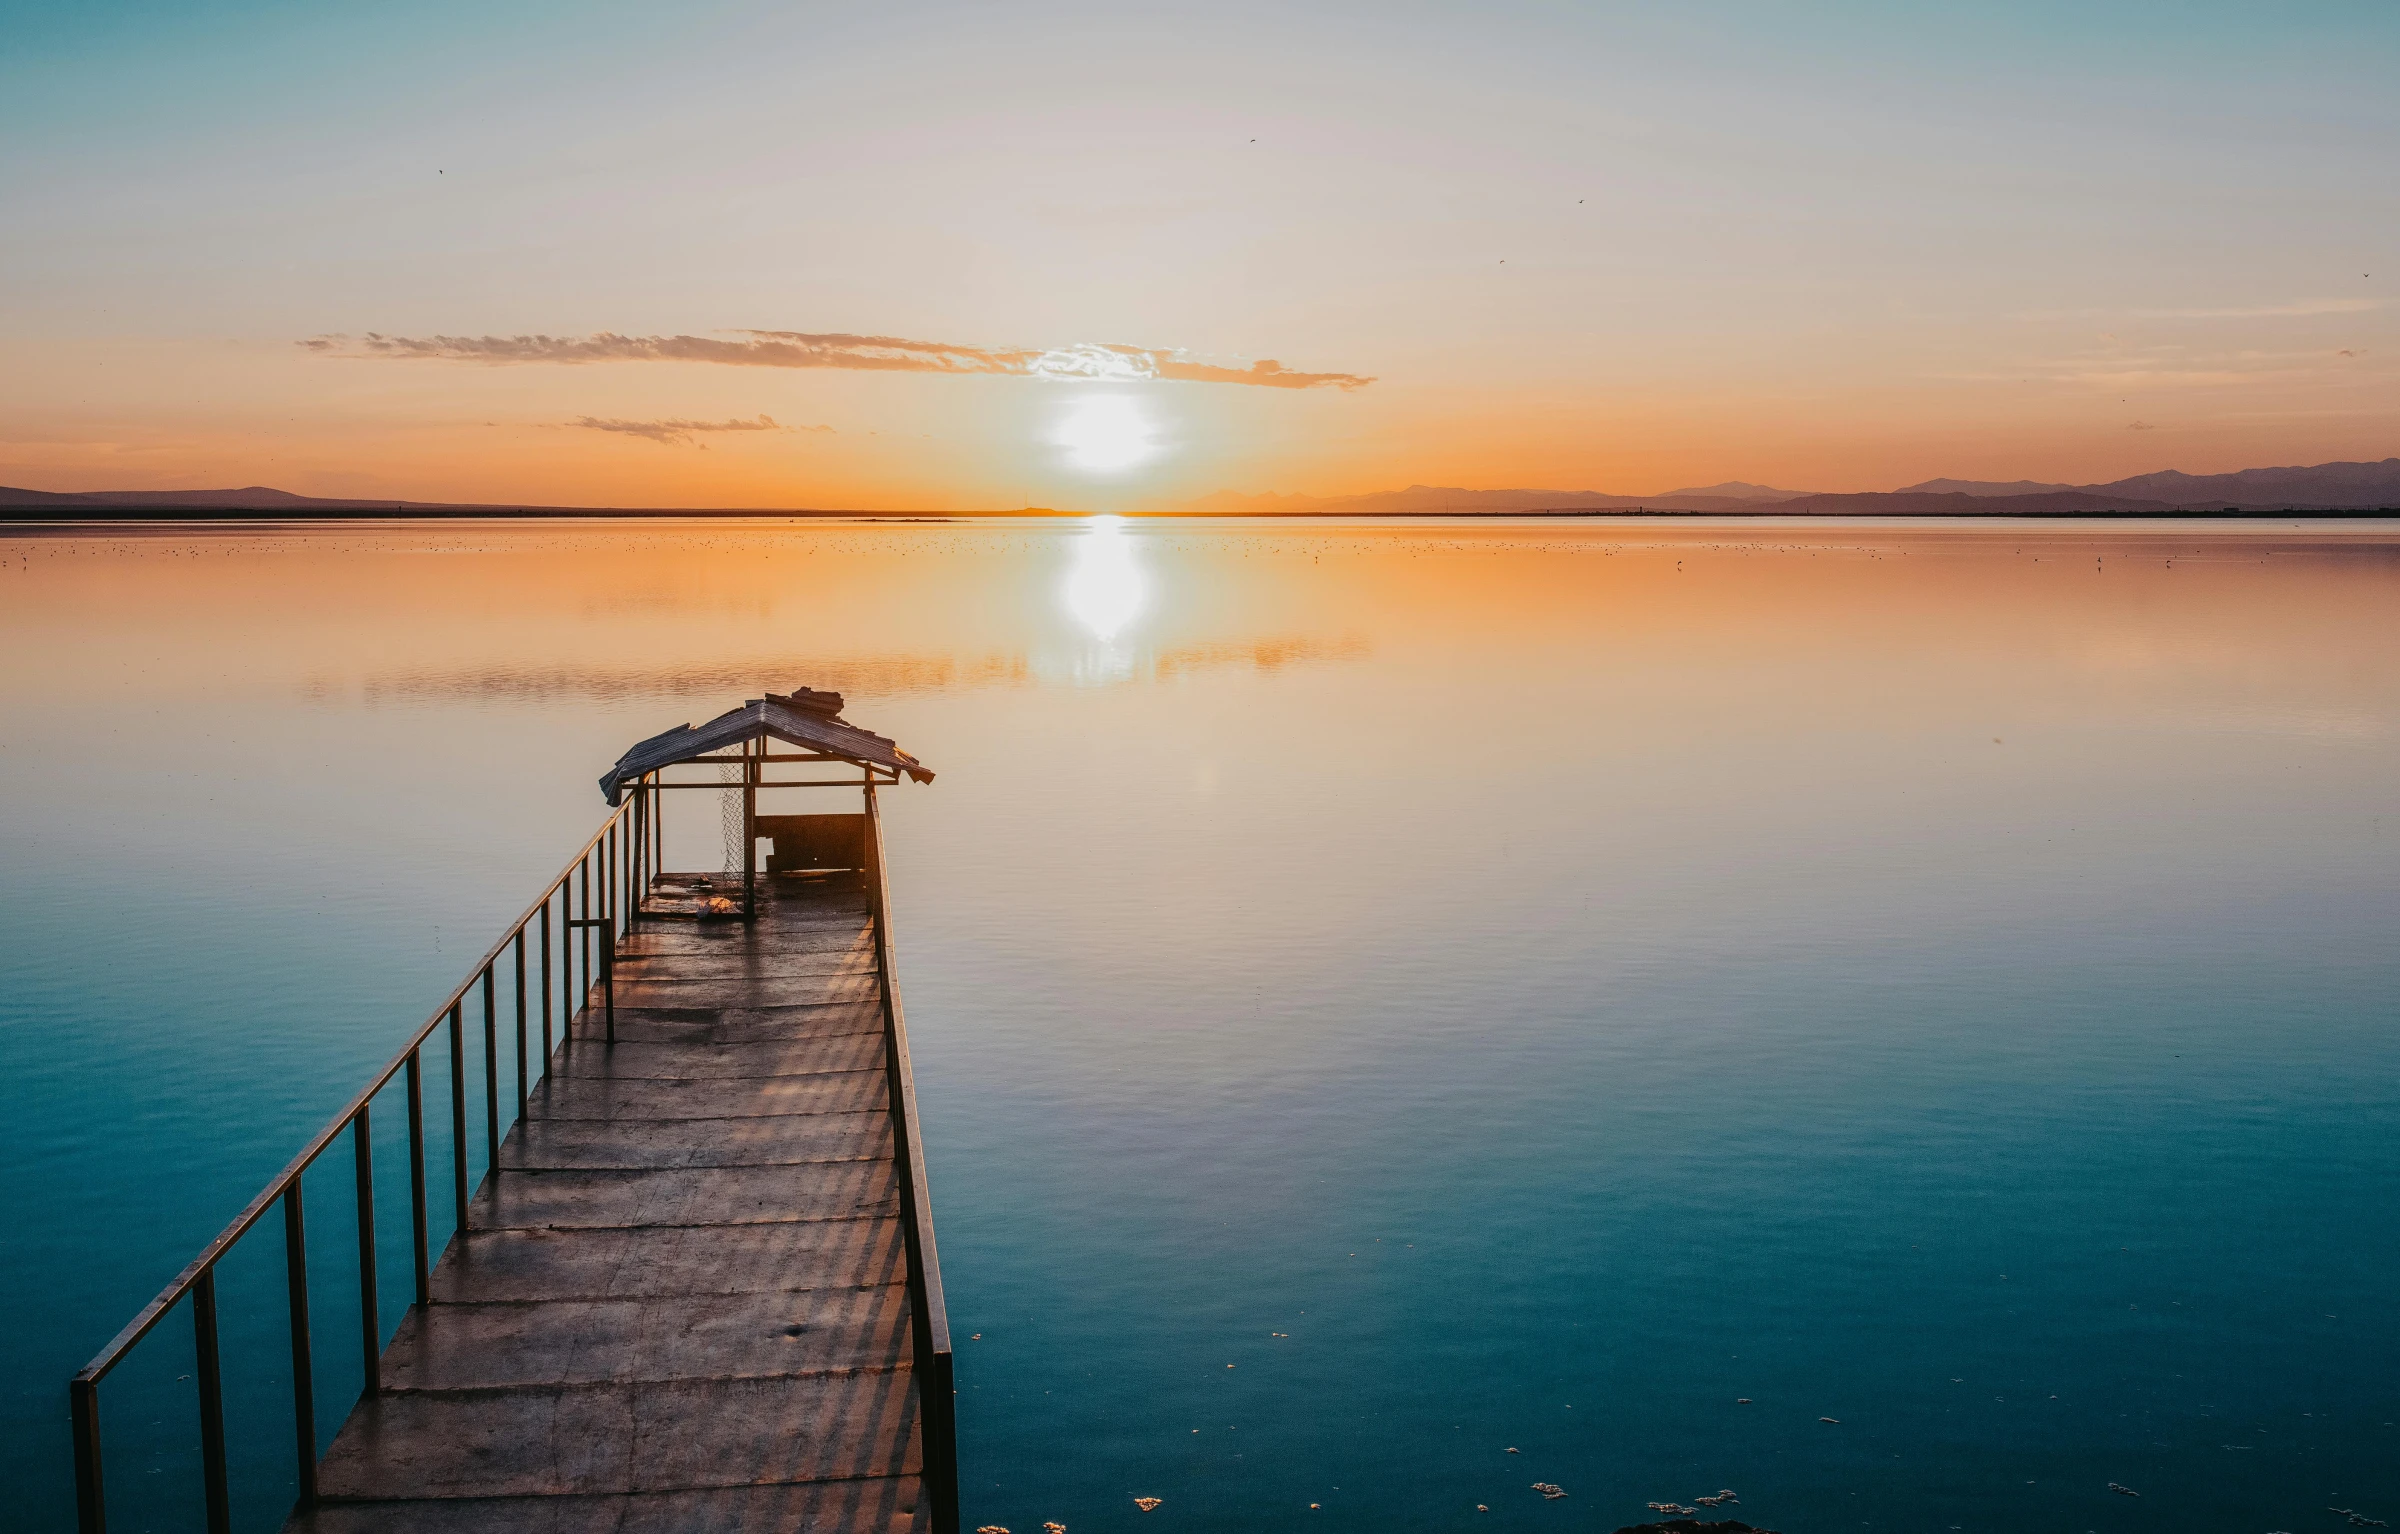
(1566, 980)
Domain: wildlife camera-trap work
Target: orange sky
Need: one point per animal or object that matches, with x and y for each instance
(1619, 248)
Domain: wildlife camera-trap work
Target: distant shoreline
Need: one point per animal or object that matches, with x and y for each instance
(87, 516)
(2336, 490)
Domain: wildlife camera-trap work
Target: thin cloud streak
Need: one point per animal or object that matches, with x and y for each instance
(1083, 361)
(678, 433)
(2300, 310)
(2169, 366)
(2304, 308)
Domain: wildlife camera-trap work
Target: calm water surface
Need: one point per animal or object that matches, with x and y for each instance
(1381, 995)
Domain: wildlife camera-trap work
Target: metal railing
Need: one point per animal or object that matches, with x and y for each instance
(602, 882)
(929, 1318)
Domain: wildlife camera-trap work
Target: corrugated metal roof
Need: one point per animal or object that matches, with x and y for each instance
(805, 718)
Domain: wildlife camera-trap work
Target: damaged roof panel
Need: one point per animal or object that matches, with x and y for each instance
(805, 718)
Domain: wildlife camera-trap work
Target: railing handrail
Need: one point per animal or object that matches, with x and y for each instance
(937, 1403)
(151, 1314)
(920, 1213)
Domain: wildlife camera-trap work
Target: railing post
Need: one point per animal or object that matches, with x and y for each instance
(582, 999)
(211, 1386)
(546, 1046)
(566, 965)
(569, 937)
(416, 1175)
(458, 1117)
(91, 1495)
(491, 1075)
(304, 1385)
(608, 977)
(524, 1085)
(370, 1310)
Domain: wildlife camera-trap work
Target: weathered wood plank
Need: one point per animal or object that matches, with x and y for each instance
(743, 1195)
(616, 1098)
(540, 1264)
(798, 919)
(849, 959)
(883, 1504)
(758, 991)
(667, 1435)
(822, 923)
(792, 1139)
(730, 940)
(739, 1025)
(718, 1059)
(664, 1337)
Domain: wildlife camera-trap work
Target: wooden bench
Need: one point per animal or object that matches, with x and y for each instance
(815, 843)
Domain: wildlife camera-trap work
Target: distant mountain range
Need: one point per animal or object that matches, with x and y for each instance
(248, 498)
(1440, 500)
(1985, 487)
(2322, 487)
(2350, 485)
(262, 502)
(1738, 490)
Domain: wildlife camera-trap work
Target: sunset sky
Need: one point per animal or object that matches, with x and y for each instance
(1113, 256)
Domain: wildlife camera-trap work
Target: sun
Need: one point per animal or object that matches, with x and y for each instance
(1106, 433)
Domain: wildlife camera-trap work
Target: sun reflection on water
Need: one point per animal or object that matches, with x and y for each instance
(1105, 588)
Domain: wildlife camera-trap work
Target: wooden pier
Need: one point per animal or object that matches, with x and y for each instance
(697, 1289)
(684, 1303)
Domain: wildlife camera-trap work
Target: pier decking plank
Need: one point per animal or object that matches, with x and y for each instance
(682, 1303)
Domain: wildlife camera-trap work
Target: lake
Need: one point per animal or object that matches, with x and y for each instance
(1382, 995)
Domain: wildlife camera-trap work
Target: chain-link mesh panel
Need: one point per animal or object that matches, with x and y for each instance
(730, 813)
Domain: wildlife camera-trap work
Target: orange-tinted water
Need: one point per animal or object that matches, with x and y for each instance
(1567, 976)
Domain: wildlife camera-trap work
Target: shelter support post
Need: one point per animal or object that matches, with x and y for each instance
(750, 776)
